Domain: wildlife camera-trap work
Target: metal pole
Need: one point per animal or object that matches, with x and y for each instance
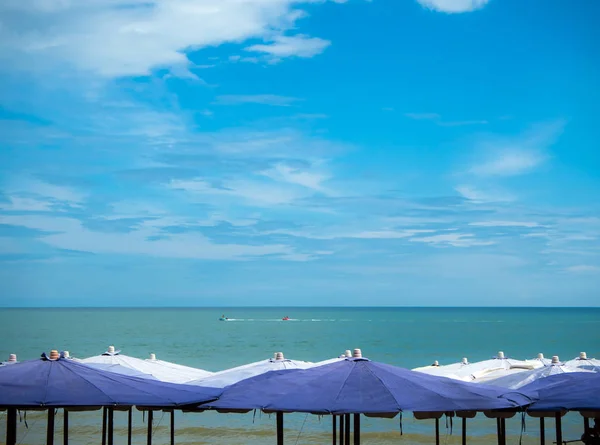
(104, 412)
(279, 428)
(542, 432)
(498, 431)
(111, 426)
(503, 427)
(129, 424)
(149, 437)
(437, 431)
(334, 429)
(559, 439)
(50, 428)
(173, 427)
(464, 431)
(356, 429)
(586, 425)
(347, 425)
(11, 426)
(65, 427)
(342, 429)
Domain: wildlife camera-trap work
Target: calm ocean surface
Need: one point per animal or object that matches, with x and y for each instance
(406, 337)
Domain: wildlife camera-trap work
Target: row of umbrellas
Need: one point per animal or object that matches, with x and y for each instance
(341, 386)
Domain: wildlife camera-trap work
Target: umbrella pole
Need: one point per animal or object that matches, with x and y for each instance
(342, 429)
(173, 427)
(586, 425)
(279, 428)
(356, 429)
(542, 432)
(559, 439)
(347, 425)
(11, 426)
(498, 431)
(129, 424)
(104, 411)
(65, 427)
(334, 429)
(464, 431)
(111, 426)
(437, 431)
(149, 437)
(50, 428)
(503, 427)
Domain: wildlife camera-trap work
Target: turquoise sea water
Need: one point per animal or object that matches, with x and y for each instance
(407, 337)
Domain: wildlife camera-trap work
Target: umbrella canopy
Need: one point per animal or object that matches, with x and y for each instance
(54, 381)
(159, 370)
(346, 354)
(584, 362)
(358, 385)
(540, 360)
(570, 391)
(230, 376)
(470, 371)
(519, 379)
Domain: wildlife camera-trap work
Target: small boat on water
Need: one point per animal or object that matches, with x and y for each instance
(285, 318)
(223, 318)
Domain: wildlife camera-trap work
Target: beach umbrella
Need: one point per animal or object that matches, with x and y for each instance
(343, 356)
(54, 381)
(584, 362)
(230, 376)
(506, 379)
(158, 369)
(471, 371)
(360, 386)
(539, 361)
(564, 392)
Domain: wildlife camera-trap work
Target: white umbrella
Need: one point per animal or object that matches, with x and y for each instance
(591, 364)
(506, 379)
(230, 376)
(157, 369)
(12, 359)
(539, 361)
(346, 354)
(470, 371)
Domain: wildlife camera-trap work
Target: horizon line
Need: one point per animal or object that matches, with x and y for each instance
(299, 307)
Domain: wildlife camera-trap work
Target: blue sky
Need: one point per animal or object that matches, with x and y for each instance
(242, 152)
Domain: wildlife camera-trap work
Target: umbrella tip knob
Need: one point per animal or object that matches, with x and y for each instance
(541, 356)
(54, 355)
(152, 356)
(555, 360)
(348, 353)
(500, 354)
(279, 356)
(357, 353)
(583, 356)
(66, 354)
(111, 349)
(435, 363)
(12, 358)
(465, 361)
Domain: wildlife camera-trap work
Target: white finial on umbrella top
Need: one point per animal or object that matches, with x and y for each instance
(152, 356)
(12, 358)
(357, 353)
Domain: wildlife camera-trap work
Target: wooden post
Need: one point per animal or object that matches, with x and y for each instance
(347, 434)
(279, 428)
(357, 429)
(150, 417)
(129, 424)
(65, 427)
(334, 429)
(104, 413)
(173, 427)
(342, 429)
(559, 439)
(542, 431)
(464, 431)
(111, 426)
(437, 431)
(11, 426)
(50, 427)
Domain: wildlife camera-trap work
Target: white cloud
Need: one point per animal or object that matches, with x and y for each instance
(286, 46)
(264, 99)
(453, 6)
(583, 268)
(453, 239)
(284, 173)
(27, 194)
(113, 38)
(515, 156)
(18, 204)
(477, 195)
(73, 236)
(505, 224)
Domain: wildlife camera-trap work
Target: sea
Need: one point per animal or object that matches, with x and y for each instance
(406, 337)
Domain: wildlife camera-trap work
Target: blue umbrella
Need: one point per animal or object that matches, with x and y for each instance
(54, 381)
(360, 386)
